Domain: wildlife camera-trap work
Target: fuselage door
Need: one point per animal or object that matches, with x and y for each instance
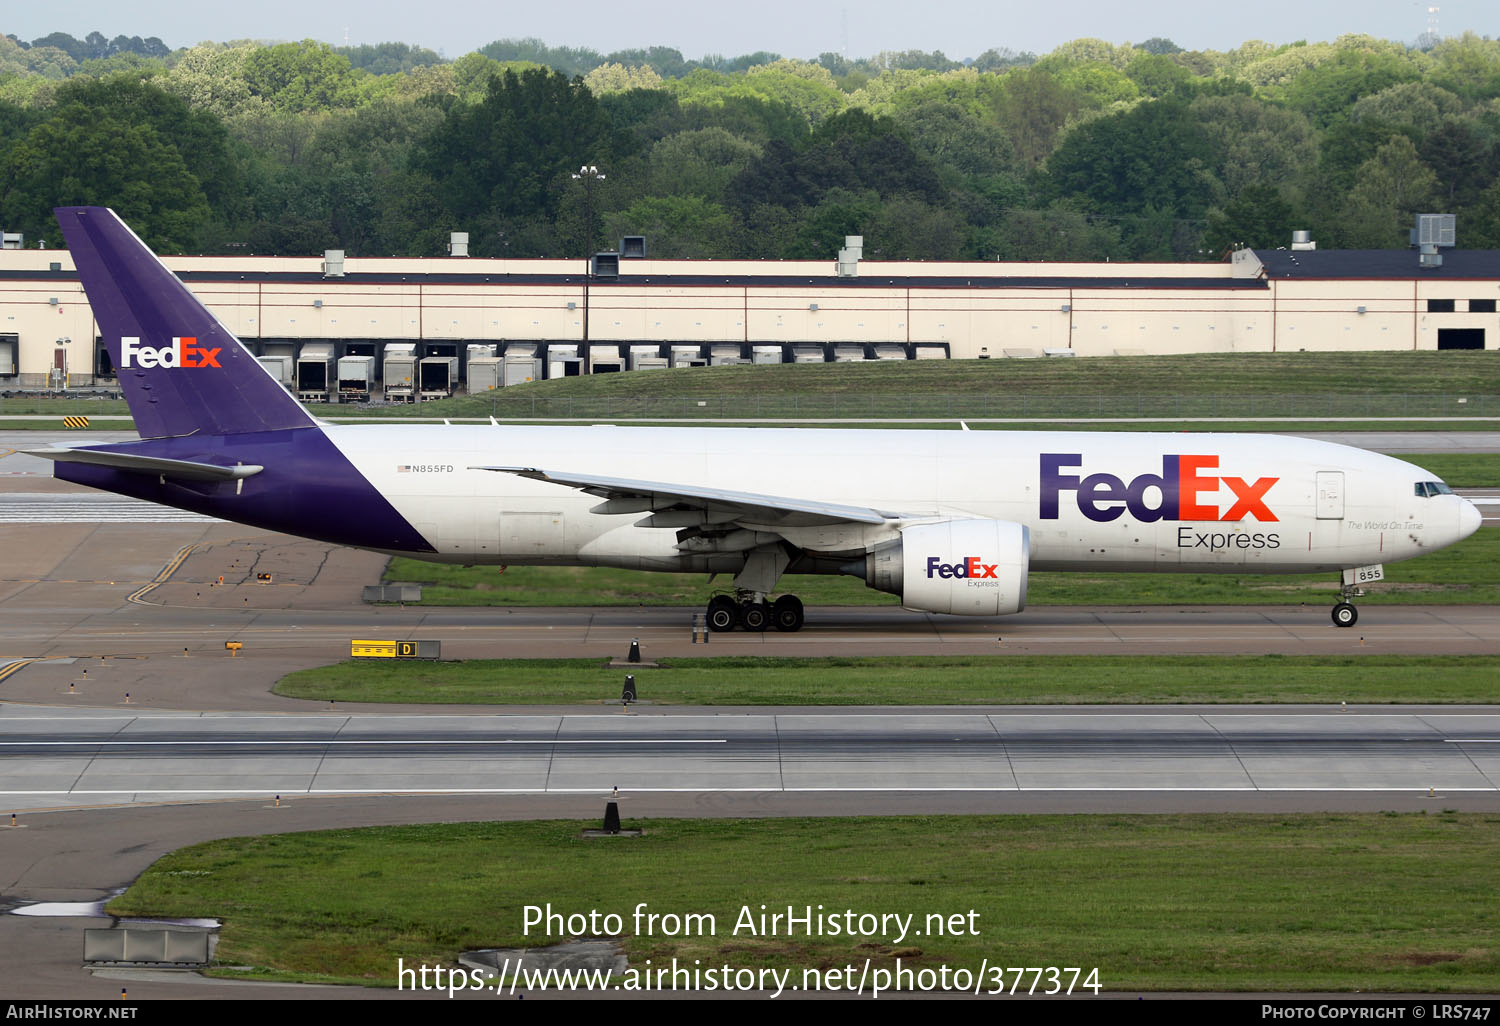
(1330, 495)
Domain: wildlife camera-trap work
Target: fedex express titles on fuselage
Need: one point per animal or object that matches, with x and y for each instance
(1184, 491)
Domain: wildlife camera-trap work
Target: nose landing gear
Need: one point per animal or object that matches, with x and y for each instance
(1344, 614)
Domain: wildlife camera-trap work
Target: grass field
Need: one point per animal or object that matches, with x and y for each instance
(1000, 679)
(1365, 902)
(1331, 384)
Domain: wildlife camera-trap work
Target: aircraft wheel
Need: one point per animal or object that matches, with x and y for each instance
(754, 616)
(723, 613)
(1345, 615)
(786, 613)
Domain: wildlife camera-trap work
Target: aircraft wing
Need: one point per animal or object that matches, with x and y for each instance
(623, 495)
(181, 469)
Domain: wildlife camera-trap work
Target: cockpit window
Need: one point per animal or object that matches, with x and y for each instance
(1427, 489)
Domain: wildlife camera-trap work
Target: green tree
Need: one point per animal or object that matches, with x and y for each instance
(664, 60)
(388, 58)
(1469, 66)
(907, 228)
(1087, 51)
(199, 138)
(805, 87)
(511, 154)
(915, 60)
(675, 227)
(1254, 142)
(1153, 155)
(305, 76)
(1419, 105)
(1259, 217)
(1032, 110)
(1279, 68)
(1002, 59)
(1327, 91)
(852, 152)
(567, 61)
(617, 78)
(821, 227)
(1054, 233)
(952, 137)
(74, 48)
(744, 62)
(212, 78)
(1481, 230)
(1156, 74)
(84, 157)
(1462, 161)
(701, 162)
(1160, 46)
(1391, 188)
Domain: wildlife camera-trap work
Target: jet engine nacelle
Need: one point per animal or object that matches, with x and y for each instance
(969, 567)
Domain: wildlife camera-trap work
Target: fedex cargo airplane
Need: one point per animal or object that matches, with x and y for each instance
(952, 522)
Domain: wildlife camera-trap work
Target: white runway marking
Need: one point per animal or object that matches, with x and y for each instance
(45, 508)
(267, 793)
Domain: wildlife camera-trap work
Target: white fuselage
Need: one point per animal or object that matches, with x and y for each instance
(1096, 501)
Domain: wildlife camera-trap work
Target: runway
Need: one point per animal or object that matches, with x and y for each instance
(56, 759)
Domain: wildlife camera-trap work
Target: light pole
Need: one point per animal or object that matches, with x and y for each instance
(589, 174)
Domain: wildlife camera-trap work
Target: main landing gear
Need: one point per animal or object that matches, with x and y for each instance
(751, 611)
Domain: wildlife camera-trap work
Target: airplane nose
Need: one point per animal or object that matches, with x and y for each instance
(1469, 519)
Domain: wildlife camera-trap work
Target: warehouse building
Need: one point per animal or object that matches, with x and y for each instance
(423, 327)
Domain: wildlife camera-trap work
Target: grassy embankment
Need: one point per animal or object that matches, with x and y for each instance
(1000, 679)
(1365, 902)
(1406, 384)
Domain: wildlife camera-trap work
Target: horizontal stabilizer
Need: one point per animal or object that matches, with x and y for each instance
(747, 506)
(185, 470)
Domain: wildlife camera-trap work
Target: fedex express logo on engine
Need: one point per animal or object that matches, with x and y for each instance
(969, 568)
(1180, 490)
(183, 352)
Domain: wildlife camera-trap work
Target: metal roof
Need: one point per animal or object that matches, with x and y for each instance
(1400, 264)
(1114, 280)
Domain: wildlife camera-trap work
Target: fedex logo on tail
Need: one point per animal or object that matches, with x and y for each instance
(183, 352)
(1184, 490)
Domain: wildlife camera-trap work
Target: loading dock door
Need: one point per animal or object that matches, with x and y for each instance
(1330, 495)
(1460, 338)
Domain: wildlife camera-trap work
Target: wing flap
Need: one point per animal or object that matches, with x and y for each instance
(745, 507)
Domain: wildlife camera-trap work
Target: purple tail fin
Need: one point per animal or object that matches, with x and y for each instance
(182, 371)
